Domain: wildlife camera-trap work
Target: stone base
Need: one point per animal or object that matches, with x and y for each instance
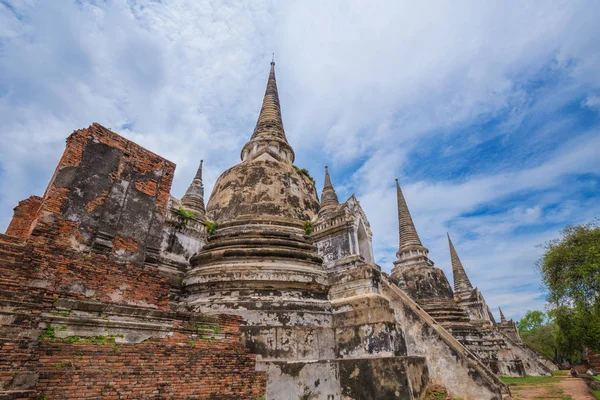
(379, 378)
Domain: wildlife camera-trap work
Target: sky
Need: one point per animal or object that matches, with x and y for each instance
(488, 113)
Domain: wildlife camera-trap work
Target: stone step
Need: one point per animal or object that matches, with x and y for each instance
(446, 312)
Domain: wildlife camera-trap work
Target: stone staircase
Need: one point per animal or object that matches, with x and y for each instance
(19, 322)
(448, 314)
(479, 339)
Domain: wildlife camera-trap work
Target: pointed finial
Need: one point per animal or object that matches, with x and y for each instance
(273, 59)
(269, 127)
(407, 233)
(328, 196)
(461, 280)
(194, 195)
(327, 179)
(199, 172)
(502, 317)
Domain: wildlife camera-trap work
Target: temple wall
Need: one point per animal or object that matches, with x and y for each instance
(335, 246)
(181, 239)
(173, 356)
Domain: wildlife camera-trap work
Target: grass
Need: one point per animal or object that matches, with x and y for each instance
(596, 392)
(518, 385)
(531, 380)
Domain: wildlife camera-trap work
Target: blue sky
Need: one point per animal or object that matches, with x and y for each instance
(487, 112)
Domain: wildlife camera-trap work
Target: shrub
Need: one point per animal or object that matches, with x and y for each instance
(184, 216)
(211, 227)
(304, 171)
(307, 227)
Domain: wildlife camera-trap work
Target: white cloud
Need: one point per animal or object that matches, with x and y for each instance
(363, 86)
(592, 101)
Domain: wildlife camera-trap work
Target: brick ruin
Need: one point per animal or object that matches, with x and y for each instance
(114, 289)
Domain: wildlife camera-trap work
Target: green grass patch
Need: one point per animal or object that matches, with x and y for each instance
(597, 377)
(530, 380)
(62, 314)
(49, 333)
(596, 393)
(211, 228)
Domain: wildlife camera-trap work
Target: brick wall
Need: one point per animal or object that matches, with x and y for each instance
(175, 368)
(72, 274)
(100, 222)
(181, 364)
(108, 195)
(24, 215)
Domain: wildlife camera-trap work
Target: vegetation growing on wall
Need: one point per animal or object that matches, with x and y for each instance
(211, 227)
(183, 216)
(304, 171)
(307, 227)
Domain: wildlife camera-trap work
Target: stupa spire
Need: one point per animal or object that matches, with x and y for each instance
(194, 195)
(328, 196)
(461, 280)
(269, 134)
(408, 236)
(502, 317)
(269, 120)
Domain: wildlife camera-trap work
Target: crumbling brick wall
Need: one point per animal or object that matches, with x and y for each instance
(24, 216)
(99, 228)
(175, 367)
(108, 195)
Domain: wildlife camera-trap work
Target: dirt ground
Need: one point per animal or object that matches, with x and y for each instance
(560, 386)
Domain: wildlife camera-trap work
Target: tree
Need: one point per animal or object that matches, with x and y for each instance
(531, 321)
(543, 340)
(570, 269)
(540, 332)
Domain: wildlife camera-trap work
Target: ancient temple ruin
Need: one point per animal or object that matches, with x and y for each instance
(112, 287)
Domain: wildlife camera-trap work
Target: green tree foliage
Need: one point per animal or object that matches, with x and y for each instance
(543, 340)
(531, 321)
(570, 269)
(539, 332)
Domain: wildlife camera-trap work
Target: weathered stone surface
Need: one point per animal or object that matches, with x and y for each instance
(448, 362)
(383, 378)
(268, 189)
